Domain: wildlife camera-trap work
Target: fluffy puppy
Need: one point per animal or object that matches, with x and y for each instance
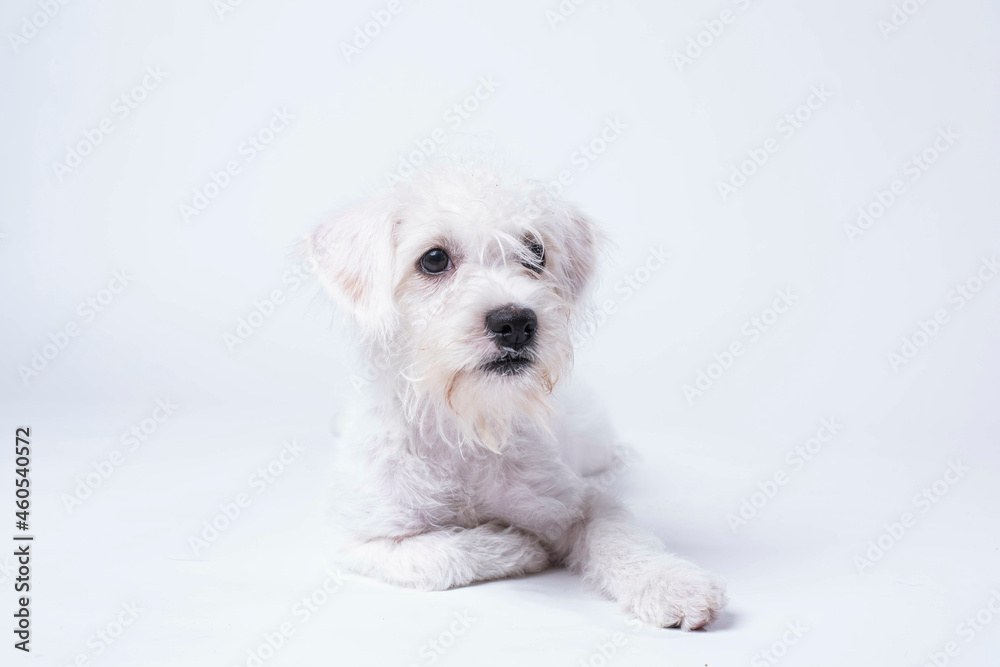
(469, 460)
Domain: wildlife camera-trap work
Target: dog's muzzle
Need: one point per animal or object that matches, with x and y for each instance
(513, 331)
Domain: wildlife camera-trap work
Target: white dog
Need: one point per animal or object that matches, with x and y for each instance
(465, 464)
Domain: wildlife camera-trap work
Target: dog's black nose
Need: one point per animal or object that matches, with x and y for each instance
(512, 327)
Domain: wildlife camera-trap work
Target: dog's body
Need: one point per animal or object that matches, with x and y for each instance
(469, 461)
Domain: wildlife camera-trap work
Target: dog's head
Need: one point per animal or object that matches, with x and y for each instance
(464, 286)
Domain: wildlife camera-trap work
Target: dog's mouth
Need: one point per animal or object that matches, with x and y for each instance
(508, 364)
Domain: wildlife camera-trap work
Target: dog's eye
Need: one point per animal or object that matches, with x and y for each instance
(537, 251)
(435, 261)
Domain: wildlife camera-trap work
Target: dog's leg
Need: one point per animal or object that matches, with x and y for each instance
(447, 558)
(631, 566)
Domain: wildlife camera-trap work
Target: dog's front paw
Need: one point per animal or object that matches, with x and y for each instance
(677, 594)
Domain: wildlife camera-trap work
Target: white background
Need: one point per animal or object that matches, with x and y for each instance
(688, 126)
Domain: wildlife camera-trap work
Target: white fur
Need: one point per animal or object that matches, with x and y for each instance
(449, 474)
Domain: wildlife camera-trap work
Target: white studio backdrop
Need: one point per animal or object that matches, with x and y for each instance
(796, 326)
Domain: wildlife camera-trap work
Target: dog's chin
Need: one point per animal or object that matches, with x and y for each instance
(502, 395)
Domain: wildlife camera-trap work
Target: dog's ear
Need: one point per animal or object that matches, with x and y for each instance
(581, 244)
(352, 253)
